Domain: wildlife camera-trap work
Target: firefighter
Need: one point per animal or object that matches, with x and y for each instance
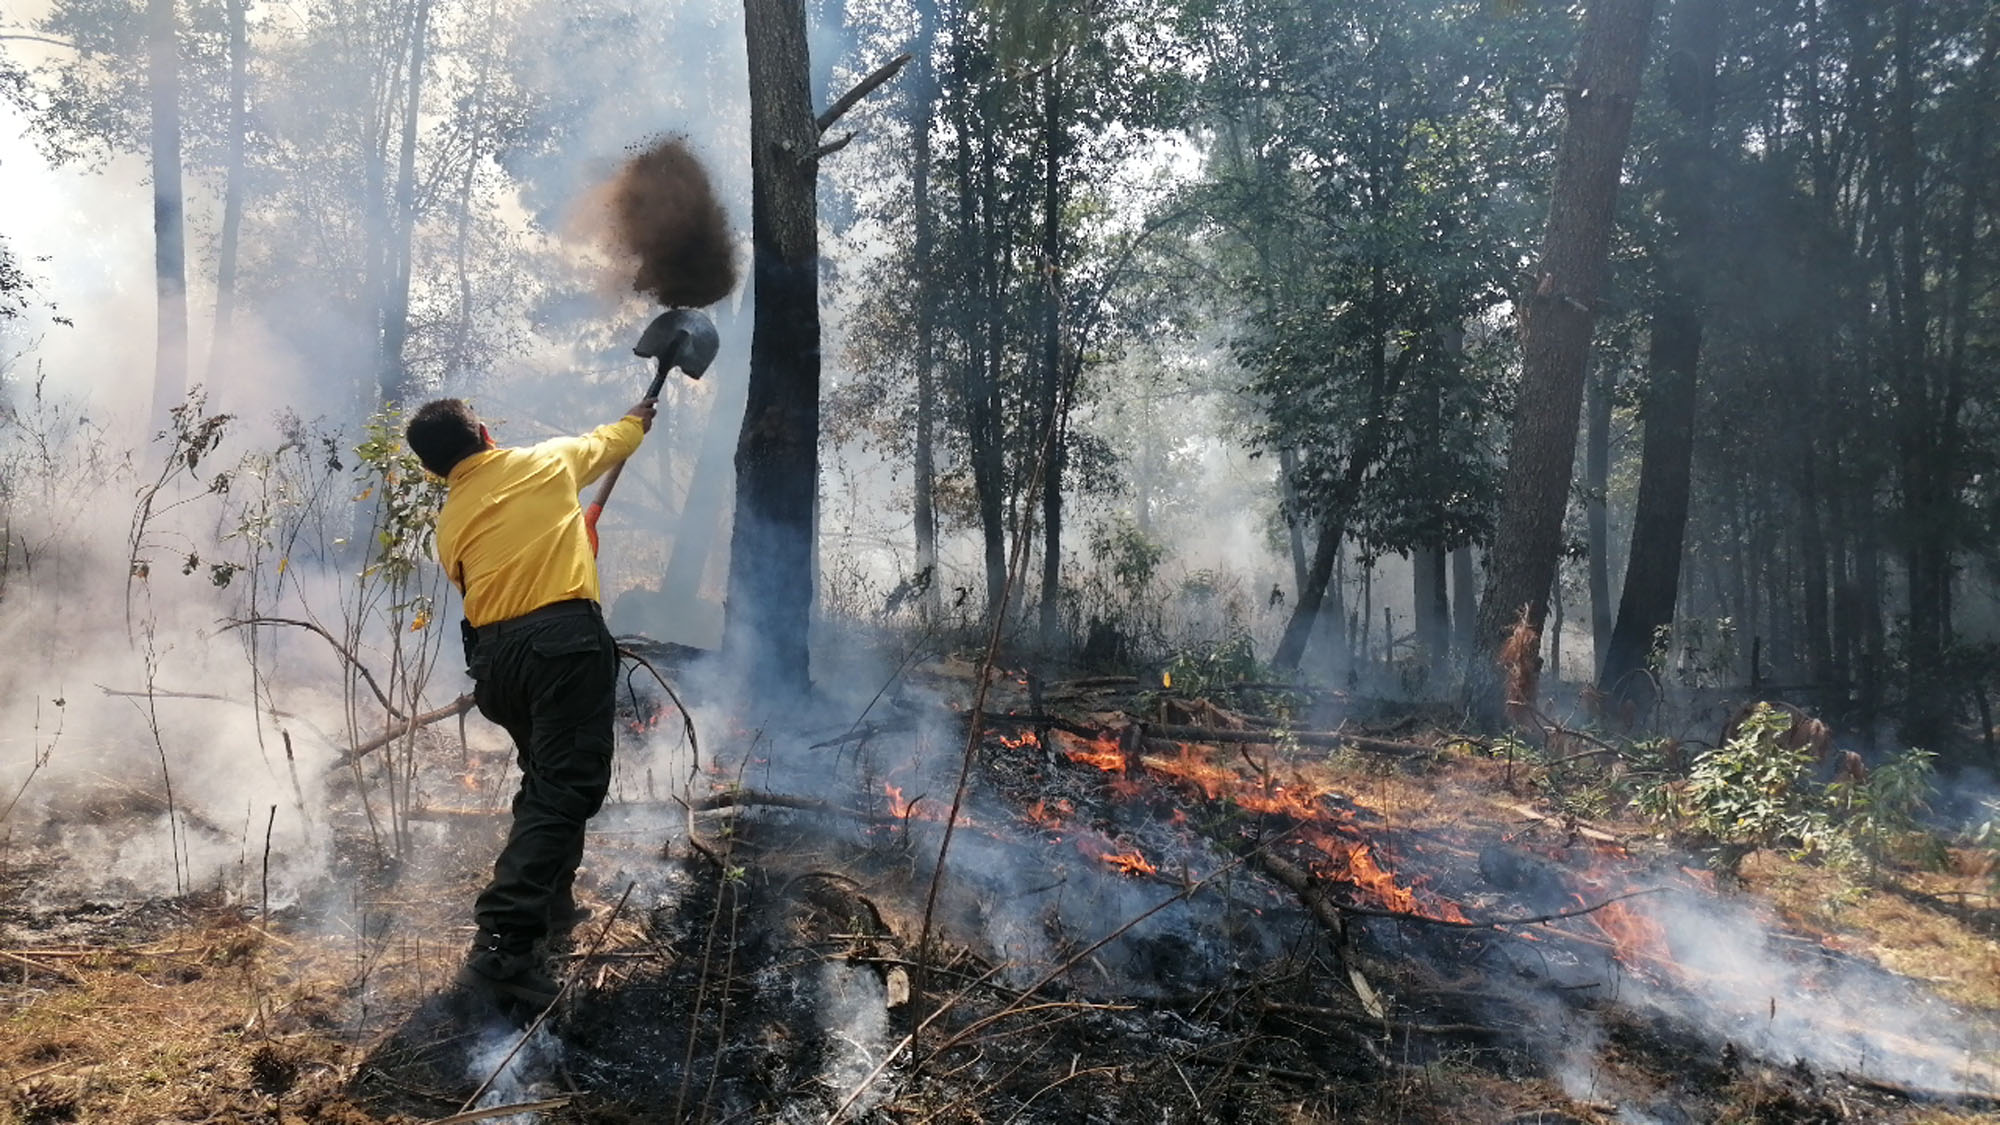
(511, 537)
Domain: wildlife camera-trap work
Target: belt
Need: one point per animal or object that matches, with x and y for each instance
(575, 607)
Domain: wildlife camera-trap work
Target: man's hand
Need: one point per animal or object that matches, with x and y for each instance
(644, 413)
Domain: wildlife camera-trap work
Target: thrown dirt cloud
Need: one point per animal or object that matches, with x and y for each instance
(662, 210)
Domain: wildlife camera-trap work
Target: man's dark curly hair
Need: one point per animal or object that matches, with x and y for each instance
(442, 433)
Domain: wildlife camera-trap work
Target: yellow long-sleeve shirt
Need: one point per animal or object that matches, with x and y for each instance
(510, 534)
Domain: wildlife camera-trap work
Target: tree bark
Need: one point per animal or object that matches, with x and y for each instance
(769, 612)
(1295, 533)
(392, 372)
(1597, 485)
(923, 102)
(979, 197)
(1053, 398)
(232, 192)
(1659, 521)
(1464, 601)
(1432, 611)
(709, 491)
(170, 363)
(1556, 323)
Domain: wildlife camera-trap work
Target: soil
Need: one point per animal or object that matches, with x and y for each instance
(765, 963)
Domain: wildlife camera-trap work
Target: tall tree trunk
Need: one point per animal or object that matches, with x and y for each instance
(709, 490)
(1295, 532)
(170, 362)
(1053, 399)
(1659, 520)
(769, 611)
(392, 372)
(232, 192)
(1556, 323)
(923, 103)
(1597, 485)
(1813, 554)
(1432, 612)
(1464, 601)
(461, 344)
(984, 424)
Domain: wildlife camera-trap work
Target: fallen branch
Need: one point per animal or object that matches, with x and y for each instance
(1326, 738)
(1962, 1099)
(51, 970)
(459, 706)
(1311, 893)
(492, 1112)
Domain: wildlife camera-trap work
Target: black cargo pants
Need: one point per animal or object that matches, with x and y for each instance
(550, 679)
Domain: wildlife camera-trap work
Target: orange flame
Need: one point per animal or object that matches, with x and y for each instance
(1637, 937)
(1042, 816)
(1100, 752)
(1130, 863)
(1027, 739)
(897, 807)
(1353, 862)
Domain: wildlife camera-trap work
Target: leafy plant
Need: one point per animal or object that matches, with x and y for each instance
(1755, 791)
(1202, 670)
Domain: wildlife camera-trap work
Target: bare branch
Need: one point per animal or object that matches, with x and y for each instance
(831, 147)
(348, 657)
(861, 90)
(456, 707)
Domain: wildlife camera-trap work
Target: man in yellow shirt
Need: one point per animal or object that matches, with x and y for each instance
(511, 537)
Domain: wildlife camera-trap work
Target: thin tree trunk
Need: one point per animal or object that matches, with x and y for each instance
(709, 493)
(1813, 555)
(923, 100)
(170, 363)
(986, 424)
(1464, 600)
(1432, 612)
(1556, 629)
(1557, 319)
(393, 372)
(1052, 395)
(461, 348)
(232, 192)
(1295, 534)
(1659, 520)
(1597, 485)
(769, 610)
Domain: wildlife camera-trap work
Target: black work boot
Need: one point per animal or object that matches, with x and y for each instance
(509, 975)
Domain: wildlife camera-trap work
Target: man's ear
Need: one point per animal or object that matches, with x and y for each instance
(485, 437)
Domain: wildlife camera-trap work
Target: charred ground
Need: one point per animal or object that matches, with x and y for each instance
(1129, 926)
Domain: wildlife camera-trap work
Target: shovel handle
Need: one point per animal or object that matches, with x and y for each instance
(596, 507)
(610, 478)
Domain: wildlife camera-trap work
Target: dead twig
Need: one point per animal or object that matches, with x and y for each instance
(687, 719)
(51, 970)
(501, 1111)
(347, 657)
